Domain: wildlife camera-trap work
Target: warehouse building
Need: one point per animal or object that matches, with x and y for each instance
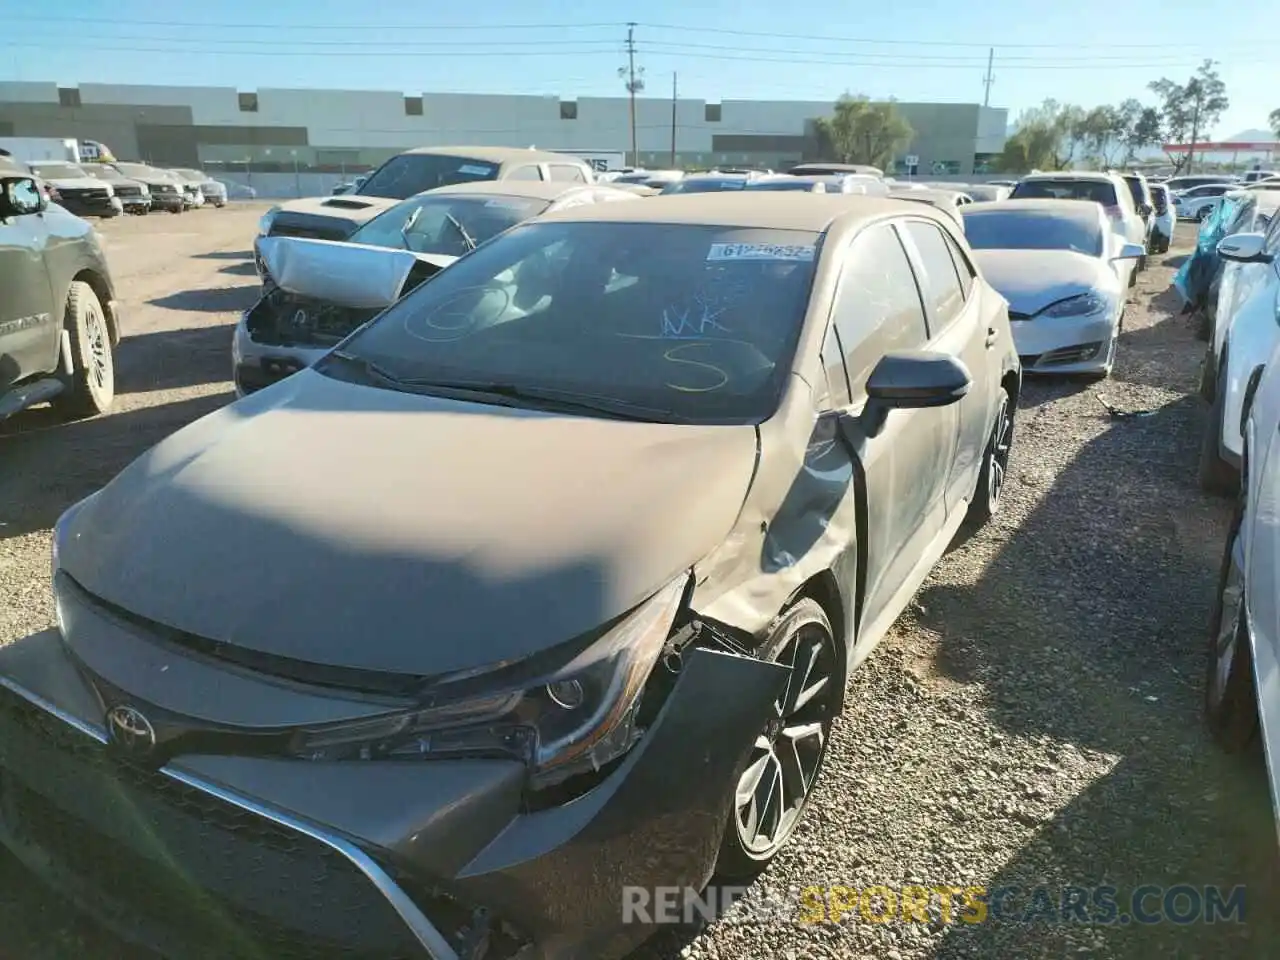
(276, 130)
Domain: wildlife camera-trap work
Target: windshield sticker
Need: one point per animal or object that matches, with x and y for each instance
(760, 251)
(506, 204)
(475, 170)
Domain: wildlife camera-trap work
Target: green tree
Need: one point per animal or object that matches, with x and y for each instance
(861, 131)
(1189, 110)
(1050, 135)
(1275, 121)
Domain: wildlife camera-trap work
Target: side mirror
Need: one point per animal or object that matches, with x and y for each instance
(1145, 210)
(1130, 251)
(20, 196)
(912, 379)
(1244, 248)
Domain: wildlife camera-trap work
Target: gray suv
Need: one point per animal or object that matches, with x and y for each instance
(59, 320)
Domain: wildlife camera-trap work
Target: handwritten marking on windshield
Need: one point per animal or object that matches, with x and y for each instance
(674, 355)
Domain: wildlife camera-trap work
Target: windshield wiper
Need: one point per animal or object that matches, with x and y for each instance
(565, 401)
(515, 395)
(462, 231)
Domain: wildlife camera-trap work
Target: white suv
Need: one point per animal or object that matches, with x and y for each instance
(1107, 189)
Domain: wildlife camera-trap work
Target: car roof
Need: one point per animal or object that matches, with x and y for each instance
(813, 212)
(927, 194)
(502, 155)
(1067, 209)
(530, 189)
(1095, 175)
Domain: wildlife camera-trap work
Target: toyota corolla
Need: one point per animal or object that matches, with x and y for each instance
(544, 583)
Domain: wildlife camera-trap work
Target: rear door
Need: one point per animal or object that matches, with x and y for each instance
(29, 324)
(957, 327)
(877, 309)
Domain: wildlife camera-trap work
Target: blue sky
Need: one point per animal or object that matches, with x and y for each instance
(1086, 51)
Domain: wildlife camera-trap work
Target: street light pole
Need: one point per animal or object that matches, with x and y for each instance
(297, 181)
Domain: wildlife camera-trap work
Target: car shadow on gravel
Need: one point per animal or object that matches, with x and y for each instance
(240, 269)
(209, 299)
(224, 255)
(45, 466)
(174, 359)
(1087, 634)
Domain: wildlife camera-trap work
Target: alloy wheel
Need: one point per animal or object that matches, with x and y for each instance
(1001, 445)
(99, 359)
(1227, 630)
(787, 755)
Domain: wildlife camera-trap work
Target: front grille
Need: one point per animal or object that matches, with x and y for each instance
(85, 194)
(125, 191)
(172, 864)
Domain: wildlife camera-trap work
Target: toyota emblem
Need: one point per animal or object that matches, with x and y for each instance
(131, 730)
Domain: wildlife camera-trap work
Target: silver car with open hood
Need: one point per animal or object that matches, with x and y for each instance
(544, 585)
(316, 292)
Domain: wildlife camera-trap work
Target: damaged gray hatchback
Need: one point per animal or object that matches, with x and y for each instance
(542, 585)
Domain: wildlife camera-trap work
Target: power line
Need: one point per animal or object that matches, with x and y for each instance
(685, 29)
(372, 44)
(395, 27)
(379, 52)
(940, 43)
(913, 57)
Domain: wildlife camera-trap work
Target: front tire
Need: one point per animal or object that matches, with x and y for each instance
(995, 465)
(91, 386)
(774, 785)
(1216, 475)
(1230, 701)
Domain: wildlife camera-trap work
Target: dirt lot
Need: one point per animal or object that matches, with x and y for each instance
(1033, 720)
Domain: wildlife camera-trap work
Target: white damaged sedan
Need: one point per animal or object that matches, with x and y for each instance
(1064, 271)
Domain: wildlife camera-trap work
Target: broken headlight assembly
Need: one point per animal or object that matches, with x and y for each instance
(567, 721)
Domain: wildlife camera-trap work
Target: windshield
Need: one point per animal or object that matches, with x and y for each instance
(805, 185)
(694, 322)
(446, 224)
(1013, 230)
(137, 170)
(709, 185)
(403, 176)
(1066, 189)
(58, 171)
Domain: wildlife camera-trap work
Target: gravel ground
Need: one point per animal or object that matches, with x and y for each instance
(1032, 721)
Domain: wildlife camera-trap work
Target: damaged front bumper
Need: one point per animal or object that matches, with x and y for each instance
(229, 856)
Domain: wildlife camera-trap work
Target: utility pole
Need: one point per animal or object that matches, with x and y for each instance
(989, 79)
(635, 83)
(674, 99)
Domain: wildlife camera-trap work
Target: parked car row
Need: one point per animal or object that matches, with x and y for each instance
(110, 189)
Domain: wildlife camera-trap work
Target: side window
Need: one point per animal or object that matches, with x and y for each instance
(1272, 245)
(833, 364)
(530, 172)
(567, 172)
(940, 284)
(963, 267)
(877, 306)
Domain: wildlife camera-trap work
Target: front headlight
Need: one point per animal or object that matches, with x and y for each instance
(264, 223)
(1077, 306)
(566, 721)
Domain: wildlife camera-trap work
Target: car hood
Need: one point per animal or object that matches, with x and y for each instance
(1032, 279)
(350, 526)
(344, 212)
(348, 274)
(75, 183)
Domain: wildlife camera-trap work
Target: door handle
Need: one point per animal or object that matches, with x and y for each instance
(992, 336)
